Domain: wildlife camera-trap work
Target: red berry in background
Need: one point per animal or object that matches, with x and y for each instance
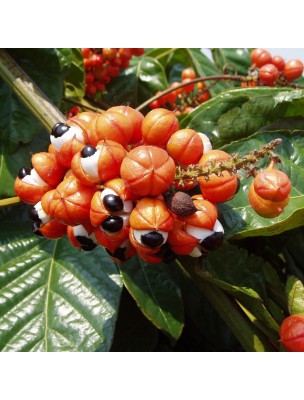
(260, 57)
(279, 62)
(293, 70)
(188, 88)
(86, 52)
(204, 96)
(109, 53)
(268, 74)
(138, 52)
(292, 333)
(188, 73)
(125, 54)
(91, 89)
(89, 77)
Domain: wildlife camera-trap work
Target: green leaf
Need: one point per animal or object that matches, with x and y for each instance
(11, 163)
(52, 297)
(75, 78)
(238, 113)
(213, 333)
(243, 327)
(17, 125)
(135, 84)
(156, 294)
(237, 58)
(237, 216)
(295, 295)
(241, 275)
(133, 331)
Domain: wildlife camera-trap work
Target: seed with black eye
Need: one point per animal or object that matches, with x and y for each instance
(23, 172)
(34, 215)
(88, 151)
(113, 203)
(36, 229)
(213, 241)
(152, 239)
(59, 129)
(87, 243)
(112, 224)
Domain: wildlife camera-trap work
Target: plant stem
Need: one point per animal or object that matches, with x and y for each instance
(9, 201)
(28, 92)
(232, 164)
(226, 77)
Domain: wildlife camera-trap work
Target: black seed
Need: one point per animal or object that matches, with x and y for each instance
(167, 254)
(119, 253)
(59, 130)
(152, 239)
(87, 243)
(113, 202)
(88, 151)
(36, 230)
(213, 241)
(24, 172)
(112, 224)
(34, 215)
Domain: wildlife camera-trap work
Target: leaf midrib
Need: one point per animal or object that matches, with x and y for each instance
(48, 290)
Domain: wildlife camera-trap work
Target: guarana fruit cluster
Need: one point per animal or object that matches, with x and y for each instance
(183, 99)
(271, 70)
(107, 180)
(101, 65)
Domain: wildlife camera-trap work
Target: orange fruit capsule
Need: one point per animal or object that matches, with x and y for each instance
(158, 126)
(29, 186)
(52, 229)
(147, 171)
(48, 168)
(272, 184)
(185, 147)
(292, 333)
(266, 208)
(98, 164)
(110, 125)
(217, 188)
(71, 201)
(135, 117)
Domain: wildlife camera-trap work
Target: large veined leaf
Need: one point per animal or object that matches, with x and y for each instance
(136, 84)
(239, 219)
(156, 294)
(17, 124)
(232, 58)
(11, 163)
(52, 297)
(238, 113)
(295, 295)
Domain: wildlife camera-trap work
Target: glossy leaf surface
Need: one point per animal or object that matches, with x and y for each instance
(156, 294)
(54, 298)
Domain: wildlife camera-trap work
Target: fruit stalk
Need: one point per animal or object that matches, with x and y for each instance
(232, 165)
(28, 92)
